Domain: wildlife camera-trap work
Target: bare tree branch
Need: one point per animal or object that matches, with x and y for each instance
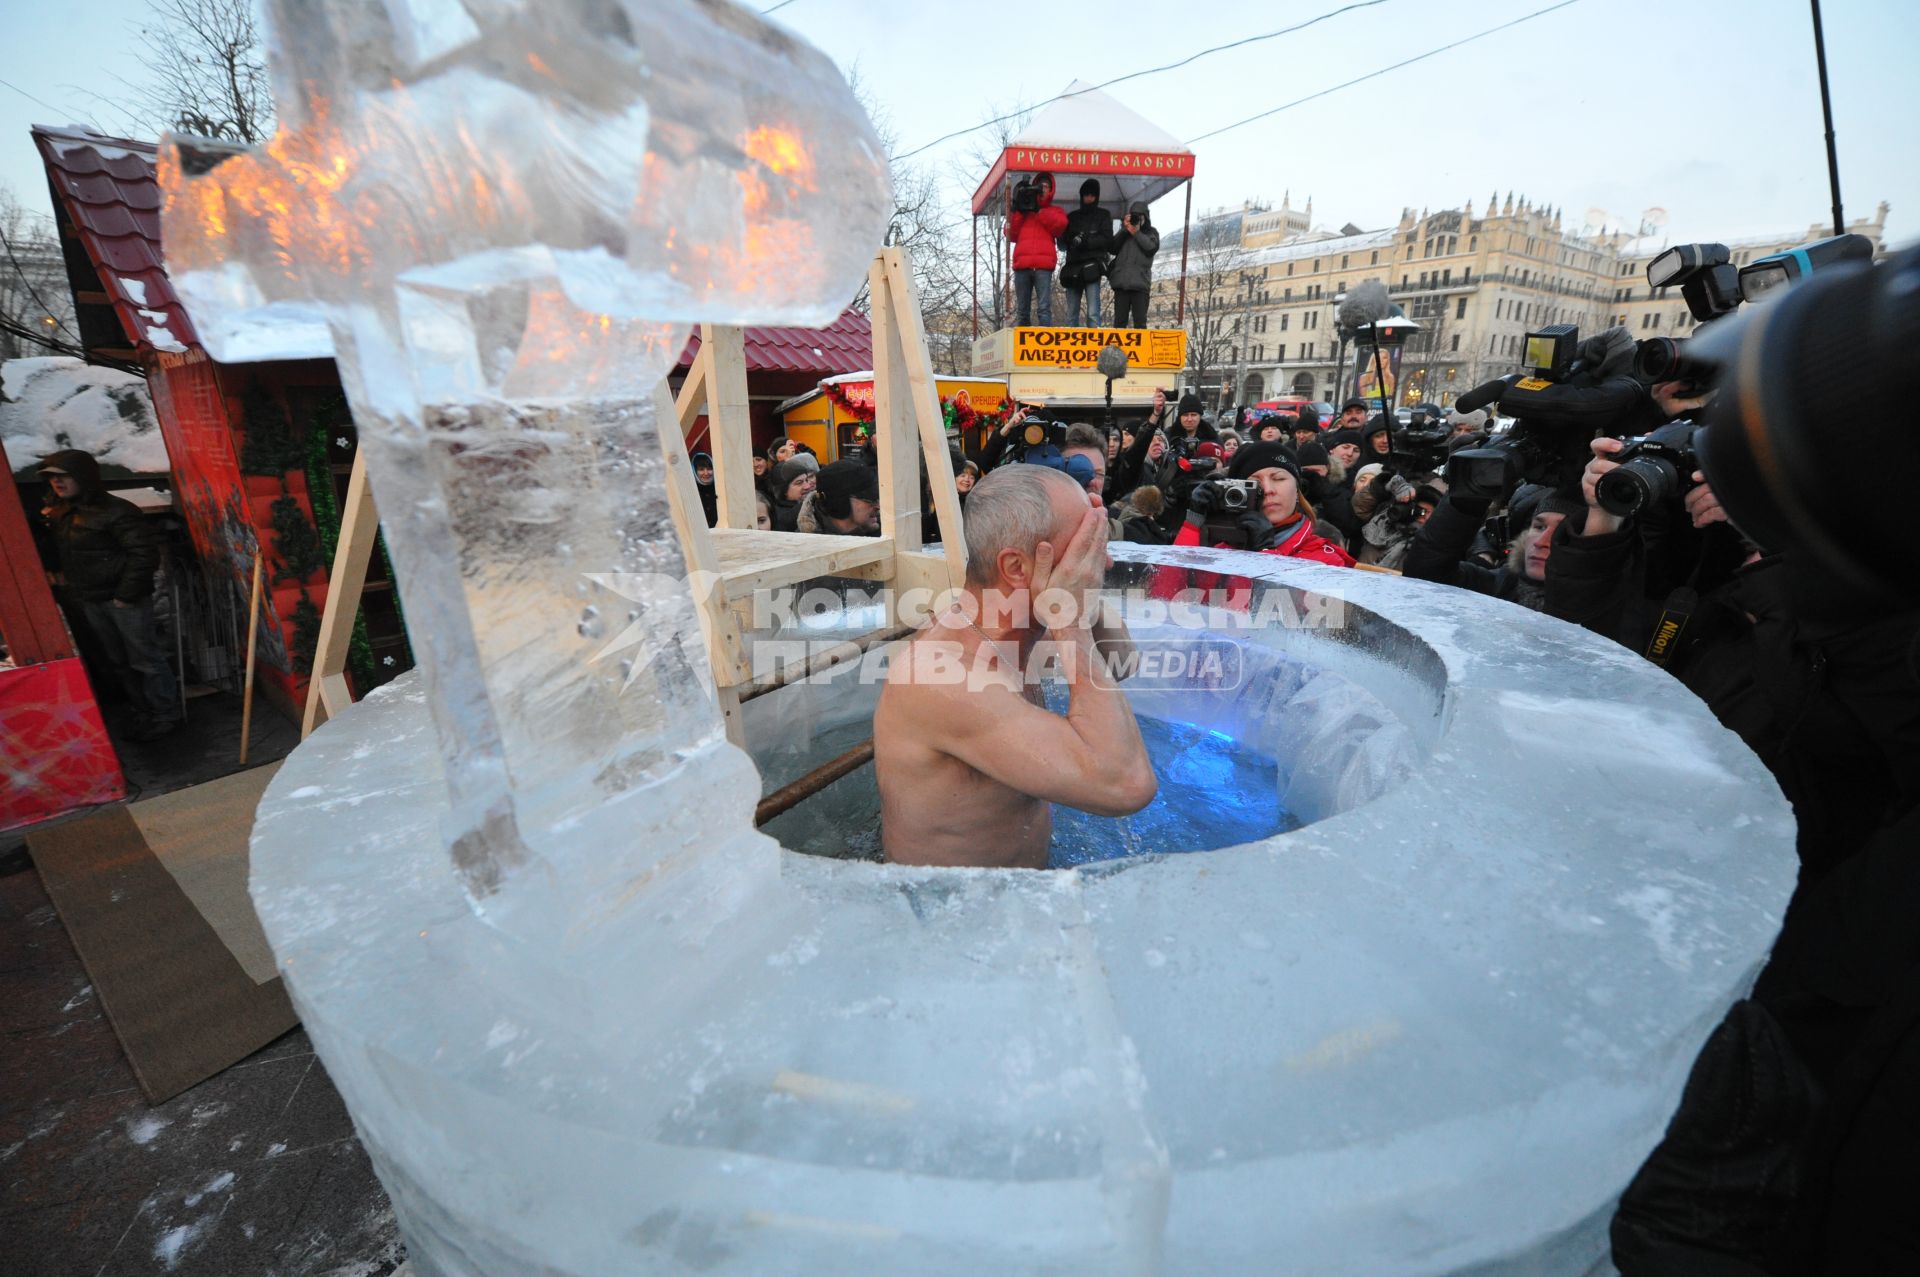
(206, 69)
(36, 306)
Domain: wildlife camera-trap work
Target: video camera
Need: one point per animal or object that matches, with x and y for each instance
(1026, 196)
(1570, 392)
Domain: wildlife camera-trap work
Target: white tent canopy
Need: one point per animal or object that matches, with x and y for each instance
(1087, 134)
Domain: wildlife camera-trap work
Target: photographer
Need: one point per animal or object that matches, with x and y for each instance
(1400, 472)
(996, 448)
(1441, 551)
(1132, 271)
(1811, 684)
(1035, 231)
(1274, 520)
(1137, 462)
(1089, 242)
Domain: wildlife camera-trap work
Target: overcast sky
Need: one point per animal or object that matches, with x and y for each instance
(1708, 109)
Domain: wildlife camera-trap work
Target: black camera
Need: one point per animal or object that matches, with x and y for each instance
(1039, 432)
(1654, 469)
(1026, 196)
(1661, 359)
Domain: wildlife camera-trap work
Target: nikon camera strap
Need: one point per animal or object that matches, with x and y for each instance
(1675, 615)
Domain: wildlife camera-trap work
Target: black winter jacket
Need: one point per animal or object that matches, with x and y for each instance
(1439, 553)
(105, 546)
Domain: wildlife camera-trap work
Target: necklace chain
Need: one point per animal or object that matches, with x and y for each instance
(975, 627)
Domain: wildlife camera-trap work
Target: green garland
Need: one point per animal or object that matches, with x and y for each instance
(327, 418)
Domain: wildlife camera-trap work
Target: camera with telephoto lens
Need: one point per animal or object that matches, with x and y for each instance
(1654, 469)
(1026, 196)
(1712, 286)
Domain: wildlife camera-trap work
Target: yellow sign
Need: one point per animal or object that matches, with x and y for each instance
(1078, 348)
(1050, 386)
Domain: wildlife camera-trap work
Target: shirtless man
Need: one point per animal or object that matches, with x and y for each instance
(967, 756)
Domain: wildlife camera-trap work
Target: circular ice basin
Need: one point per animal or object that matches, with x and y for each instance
(1254, 732)
(1433, 1030)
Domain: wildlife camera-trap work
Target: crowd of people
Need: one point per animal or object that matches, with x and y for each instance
(1097, 247)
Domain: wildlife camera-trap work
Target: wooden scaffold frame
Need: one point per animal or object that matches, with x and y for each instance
(735, 556)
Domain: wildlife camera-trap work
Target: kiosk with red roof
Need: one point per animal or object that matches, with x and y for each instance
(1083, 134)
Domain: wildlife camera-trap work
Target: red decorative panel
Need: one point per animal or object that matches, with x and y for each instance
(54, 751)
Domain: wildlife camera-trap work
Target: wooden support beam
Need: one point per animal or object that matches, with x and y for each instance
(729, 422)
(893, 425)
(908, 346)
(327, 692)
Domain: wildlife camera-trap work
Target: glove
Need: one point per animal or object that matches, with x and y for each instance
(1203, 501)
(1399, 488)
(1257, 530)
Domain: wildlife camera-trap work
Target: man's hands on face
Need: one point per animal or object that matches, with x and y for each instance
(1077, 573)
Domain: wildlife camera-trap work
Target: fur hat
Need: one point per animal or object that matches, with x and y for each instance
(1148, 500)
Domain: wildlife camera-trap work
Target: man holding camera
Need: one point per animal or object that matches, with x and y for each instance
(1089, 244)
(1035, 227)
(1131, 274)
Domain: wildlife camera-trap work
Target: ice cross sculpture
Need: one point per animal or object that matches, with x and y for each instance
(507, 213)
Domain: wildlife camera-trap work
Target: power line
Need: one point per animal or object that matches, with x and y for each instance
(1371, 75)
(27, 334)
(1135, 75)
(33, 292)
(776, 8)
(42, 101)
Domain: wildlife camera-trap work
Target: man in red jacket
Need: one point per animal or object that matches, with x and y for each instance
(1036, 248)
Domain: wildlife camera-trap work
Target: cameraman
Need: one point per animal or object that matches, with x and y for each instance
(1089, 243)
(1036, 236)
(996, 447)
(1131, 467)
(1441, 549)
(1400, 472)
(1131, 275)
(1818, 687)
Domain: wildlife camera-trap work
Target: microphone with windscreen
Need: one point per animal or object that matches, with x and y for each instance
(1113, 362)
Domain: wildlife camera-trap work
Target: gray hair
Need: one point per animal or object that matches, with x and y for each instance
(1010, 509)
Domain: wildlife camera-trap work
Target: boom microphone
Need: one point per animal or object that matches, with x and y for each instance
(1366, 304)
(1483, 396)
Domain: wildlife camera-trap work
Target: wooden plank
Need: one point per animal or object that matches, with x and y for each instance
(910, 339)
(893, 416)
(346, 581)
(750, 561)
(726, 649)
(729, 423)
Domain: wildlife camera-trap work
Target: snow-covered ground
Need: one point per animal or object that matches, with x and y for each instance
(56, 402)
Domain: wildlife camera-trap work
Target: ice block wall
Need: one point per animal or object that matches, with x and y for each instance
(506, 215)
(1433, 1032)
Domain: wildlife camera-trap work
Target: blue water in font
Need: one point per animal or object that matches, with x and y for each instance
(1212, 794)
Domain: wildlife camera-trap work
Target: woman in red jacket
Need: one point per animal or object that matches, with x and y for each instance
(1282, 524)
(1036, 247)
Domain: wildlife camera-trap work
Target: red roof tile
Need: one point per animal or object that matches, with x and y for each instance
(108, 188)
(845, 345)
